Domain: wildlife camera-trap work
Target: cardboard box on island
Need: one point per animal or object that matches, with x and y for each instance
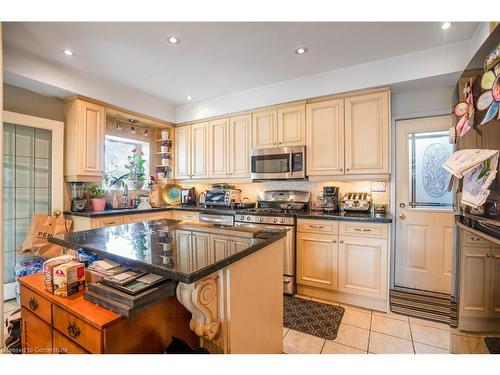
(68, 278)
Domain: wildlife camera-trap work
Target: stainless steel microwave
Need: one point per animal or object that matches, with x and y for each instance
(280, 163)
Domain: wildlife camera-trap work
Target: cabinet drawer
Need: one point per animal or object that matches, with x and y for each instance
(364, 229)
(36, 334)
(318, 226)
(77, 330)
(185, 215)
(129, 219)
(36, 304)
(107, 222)
(62, 345)
(471, 239)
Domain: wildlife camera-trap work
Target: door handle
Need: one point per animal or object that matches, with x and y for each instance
(402, 216)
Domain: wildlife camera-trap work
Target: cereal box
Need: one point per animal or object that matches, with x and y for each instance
(67, 278)
(49, 264)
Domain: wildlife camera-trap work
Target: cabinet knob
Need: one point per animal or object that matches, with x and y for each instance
(334, 241)
(347, 169)
(73, 330)
(475, 239)
(341, 241)
(33, 304)
(341, 169)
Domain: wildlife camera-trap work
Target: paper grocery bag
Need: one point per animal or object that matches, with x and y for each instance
(42, 227)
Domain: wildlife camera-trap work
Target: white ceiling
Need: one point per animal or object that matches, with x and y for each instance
(217, 59)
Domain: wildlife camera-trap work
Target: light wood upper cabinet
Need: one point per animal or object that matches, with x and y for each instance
(85, 126)
(264, 129)
(199, 150)
(363, 266)
(182, 168)
(475, 282)
(279, 127)
(291, 125)
(240, 141)
(367, 127)
(219, 148)
(325, 138)
(317, 260)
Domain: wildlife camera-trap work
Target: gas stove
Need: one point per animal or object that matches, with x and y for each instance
(270, 210)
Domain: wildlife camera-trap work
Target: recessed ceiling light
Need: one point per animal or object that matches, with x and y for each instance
(68, 52)
(189, 97)
(173, 40)
(301, 50)
(446, 25)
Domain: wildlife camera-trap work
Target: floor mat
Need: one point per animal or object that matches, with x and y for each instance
(311, 317)
(493, 344)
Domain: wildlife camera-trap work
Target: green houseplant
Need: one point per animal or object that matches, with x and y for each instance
(98, 197)
(137, 170)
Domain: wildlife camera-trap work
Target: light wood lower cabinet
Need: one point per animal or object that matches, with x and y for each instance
(495, 270)
(363, 266)
(317, 260)
(332, 264)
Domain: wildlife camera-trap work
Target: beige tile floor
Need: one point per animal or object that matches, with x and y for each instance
(365, 331)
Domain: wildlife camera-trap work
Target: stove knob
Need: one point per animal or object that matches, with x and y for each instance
(261, 219)
(282, 221)
(248, 218)
(242, 217)
(275, 220)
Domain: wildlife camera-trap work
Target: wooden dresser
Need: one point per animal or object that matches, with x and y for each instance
(59, 325)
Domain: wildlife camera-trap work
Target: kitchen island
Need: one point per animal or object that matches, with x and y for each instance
(229, 278)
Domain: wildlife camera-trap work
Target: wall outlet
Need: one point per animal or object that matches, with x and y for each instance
(378, 186)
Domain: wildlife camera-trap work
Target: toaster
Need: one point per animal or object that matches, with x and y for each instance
(358, 202)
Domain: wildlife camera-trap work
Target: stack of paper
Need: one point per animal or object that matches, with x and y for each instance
(107, 267)
(478, 168)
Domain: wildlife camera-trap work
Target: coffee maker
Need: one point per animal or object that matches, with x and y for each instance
(331, 199)
(188, 197)
(78, 201)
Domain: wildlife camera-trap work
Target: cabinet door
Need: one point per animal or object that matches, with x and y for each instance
(219, 246)
(363, 266)
(200, 250)
(107, 222)
(240, 143)
(325, 138)
(183, 251)
(219, 148)
(292, 125)
(264, 129)
(36, 335)
(239, 244)
(317, 260)
(367, 125)
(495, 277)
(183, 152)
(92, 126)
(199, 150)
(474, 296)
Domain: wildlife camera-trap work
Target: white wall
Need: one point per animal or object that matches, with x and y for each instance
(435, 62)
(427, 102)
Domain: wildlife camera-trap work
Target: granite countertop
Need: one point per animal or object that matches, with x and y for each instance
(132, 211)
(346, 216)
(159, 246)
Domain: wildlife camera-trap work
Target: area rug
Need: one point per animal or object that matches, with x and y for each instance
(493, 344)
(311, 317)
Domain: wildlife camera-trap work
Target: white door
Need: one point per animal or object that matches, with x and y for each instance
(424, 209)
(32, 183)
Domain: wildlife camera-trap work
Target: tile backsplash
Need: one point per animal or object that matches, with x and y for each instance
(250, 190)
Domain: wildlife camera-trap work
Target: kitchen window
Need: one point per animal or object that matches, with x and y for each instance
(117, 151)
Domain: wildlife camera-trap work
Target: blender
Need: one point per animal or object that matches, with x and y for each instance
(78, 201)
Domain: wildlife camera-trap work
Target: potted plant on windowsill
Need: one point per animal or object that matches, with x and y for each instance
(97, 196)
(137, 175)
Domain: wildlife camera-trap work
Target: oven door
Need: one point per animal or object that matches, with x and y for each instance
(288, 254)
(215, 198)
(278, 163)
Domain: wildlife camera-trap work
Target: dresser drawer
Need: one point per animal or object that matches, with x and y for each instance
(77, 330)
(317, 226)
(471, 239)
(63, 345)
(348, 228)
(36, 304)
(36, 335)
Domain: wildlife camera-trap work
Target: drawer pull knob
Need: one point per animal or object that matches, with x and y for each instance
(334, 241)
(317, 226)
(475, 239)
(341, 241)
(73, 330)
(33, 304)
